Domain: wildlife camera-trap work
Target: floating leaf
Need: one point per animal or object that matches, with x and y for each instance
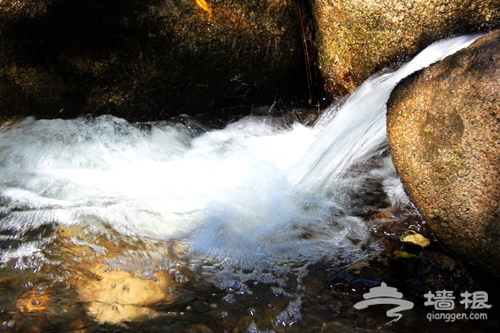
(412, 237)
(403, 254)
(204, 5)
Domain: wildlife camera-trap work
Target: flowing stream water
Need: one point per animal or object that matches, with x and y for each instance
(251, 205)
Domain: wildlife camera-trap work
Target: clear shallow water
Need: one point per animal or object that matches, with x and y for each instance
(258, 201)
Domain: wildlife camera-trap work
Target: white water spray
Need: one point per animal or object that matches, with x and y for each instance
(358, 130)
(254, 194)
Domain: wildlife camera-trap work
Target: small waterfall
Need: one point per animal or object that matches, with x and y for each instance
(357, 131)
(256, 194)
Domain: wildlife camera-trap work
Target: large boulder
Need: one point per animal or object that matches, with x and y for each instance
(356, 38)
(144, 59)
(444, 132)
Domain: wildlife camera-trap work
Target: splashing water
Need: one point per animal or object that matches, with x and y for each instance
(357, 132)
(225, 193)
(256, 195)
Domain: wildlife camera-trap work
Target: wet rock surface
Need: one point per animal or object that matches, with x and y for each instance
(443, 125)
(146, 60)
(356, 38)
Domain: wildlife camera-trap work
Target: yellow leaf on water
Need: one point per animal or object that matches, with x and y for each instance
(204, 5)
(405, 255)
(412, 237)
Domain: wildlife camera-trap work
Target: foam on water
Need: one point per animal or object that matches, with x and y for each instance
(224, 193)
(255, 194)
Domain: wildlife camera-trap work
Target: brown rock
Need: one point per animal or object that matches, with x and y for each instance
(443, 128)
(117, 296)
(357, 38)
(110, 295)
(144, 60)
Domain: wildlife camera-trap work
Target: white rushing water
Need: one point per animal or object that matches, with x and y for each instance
(254, 194)
(358, 130)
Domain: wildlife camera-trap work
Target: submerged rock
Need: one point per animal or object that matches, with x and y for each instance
(117, 296)
(144, 60)
(357, 38)
(443, 128)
